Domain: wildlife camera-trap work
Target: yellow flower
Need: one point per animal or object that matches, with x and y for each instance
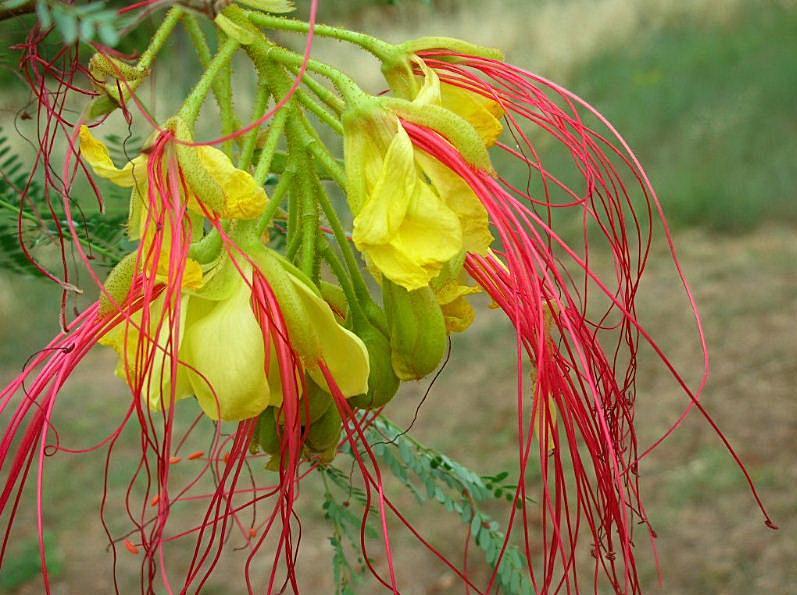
(313, 330)
(450, 289)
(213, 181)
(460, 198)
(145, 362)
(401, 224)
(225, 355)
(222, 357)
(481, 112)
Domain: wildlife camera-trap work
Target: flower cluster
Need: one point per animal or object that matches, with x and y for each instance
(264, 310)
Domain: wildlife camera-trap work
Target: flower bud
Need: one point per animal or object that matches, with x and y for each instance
(382, 380)
(315, 334)
(214, 181)
(266, 436)
(115, 80)
(118, 284)
(314, 403)
(418, 337)
(325, 431)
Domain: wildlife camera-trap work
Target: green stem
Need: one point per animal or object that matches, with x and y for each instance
(293, 247)
(308, 220)
(381, 49)
(193, 103)
(263, 52)
(276, 200)
(224, 81)
(360, 288)
(339, 270)
(191, 25)
(327, 161)
(161, 36)
(324, 94)
(319, 111)
(250, 139)
(350, 91)
(270, 146)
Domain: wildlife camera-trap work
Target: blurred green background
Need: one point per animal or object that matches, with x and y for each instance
(705, 92)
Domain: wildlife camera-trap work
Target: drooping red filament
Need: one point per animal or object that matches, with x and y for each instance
(575, 317)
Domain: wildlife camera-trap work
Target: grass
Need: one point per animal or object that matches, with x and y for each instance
(710, 109)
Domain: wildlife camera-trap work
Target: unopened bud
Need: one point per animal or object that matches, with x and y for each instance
(118, 284)
(382, 380)
(314, 403)
(418, 337)
(325, 431)
(267, 437)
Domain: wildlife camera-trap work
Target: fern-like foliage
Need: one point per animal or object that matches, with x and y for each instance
(100, 234)
(433, 476)
(74, 21)
(340, 498)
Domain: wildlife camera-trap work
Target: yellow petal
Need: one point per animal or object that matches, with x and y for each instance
(458, 312)
(429, 236)
(430, 91)
(224, 343)
(483, 113)
(96, 155)
(343, 352)
(387, 203)
(192, 272)
(367, 134)
(431, 232)
(397, 266)
(155, 356)
(459, 315)
(244, 198)
(461, 199)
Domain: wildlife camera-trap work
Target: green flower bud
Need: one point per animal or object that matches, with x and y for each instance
(266, 437)
(418, 337)
(325, 431)
(334, 296)
(118, 284)
(314, 403)
(382, 380)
